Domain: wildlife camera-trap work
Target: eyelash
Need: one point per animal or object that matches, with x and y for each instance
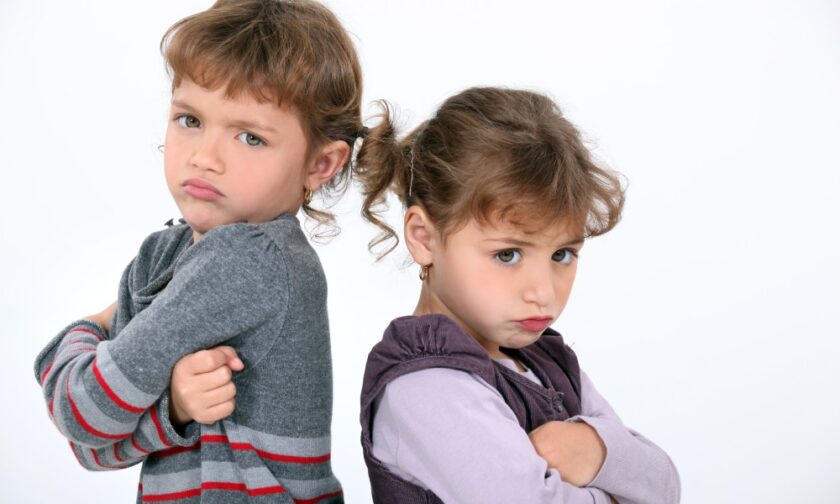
(183, 118)
(571, 255)
(243, 137)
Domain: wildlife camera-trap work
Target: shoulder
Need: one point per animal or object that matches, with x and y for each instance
(239, 253)
(432, 335)
(288, 239)
(411, 344)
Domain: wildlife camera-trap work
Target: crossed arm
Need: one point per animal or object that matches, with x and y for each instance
(450, 432)
(109, 397)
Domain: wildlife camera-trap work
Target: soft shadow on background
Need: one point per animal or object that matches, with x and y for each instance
(708, 317)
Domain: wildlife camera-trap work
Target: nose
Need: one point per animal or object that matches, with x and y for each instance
(539, 287)
(206, 154)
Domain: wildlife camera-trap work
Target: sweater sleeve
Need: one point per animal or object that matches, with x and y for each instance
(102, 392)
(450, 432)
(154, 436)
(635, 470)
(153, 431)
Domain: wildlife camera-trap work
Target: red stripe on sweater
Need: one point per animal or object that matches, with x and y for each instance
(46, 372)
(214, 485)
(172, 496)
(81, 420)
(99, 462)
(137, 446)
(114, 397)
(176, 450)
(277, 457)
(79, 350)
(159, 427)
(117, 454)
(88, 331)
(73, 449)
(315, 500)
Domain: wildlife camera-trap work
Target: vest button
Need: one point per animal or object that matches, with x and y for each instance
(558, 405)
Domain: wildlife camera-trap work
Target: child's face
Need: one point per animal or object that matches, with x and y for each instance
(502, 285)
(232, 160)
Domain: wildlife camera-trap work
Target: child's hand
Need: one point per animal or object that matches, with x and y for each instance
(202, 386)
(104, 317)
(573, 448)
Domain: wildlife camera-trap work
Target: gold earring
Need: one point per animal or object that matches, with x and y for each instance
(307, 196)
(424, 272)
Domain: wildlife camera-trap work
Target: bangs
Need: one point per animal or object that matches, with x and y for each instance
(536, 187)
(244, 51)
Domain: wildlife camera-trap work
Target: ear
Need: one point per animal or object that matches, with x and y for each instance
(420, 235)
(327, 161)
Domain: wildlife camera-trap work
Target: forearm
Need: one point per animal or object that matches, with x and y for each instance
(635, 470)
(88, 398)
(441, 436)
(154, 436)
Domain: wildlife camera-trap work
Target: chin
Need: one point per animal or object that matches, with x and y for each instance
(521, 341)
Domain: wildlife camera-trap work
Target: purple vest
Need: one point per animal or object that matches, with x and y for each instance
(414, 343)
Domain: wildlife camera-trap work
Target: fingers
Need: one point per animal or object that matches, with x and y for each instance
(219, 395)
(215, 378)
(216, 413)
(204, 361)
(233, 360)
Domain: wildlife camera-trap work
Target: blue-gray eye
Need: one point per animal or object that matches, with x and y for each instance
(250, 139)
(189, 121)
(508, 256)
(564, 256)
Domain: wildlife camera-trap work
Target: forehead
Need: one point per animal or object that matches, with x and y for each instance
(187, 90)
(538, 232)
(241, 107)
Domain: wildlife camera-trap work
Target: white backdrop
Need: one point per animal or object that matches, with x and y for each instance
(709, 317)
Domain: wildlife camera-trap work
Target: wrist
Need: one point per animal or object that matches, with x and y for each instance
(177, 416)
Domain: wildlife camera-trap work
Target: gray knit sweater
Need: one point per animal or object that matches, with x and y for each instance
(257, 287)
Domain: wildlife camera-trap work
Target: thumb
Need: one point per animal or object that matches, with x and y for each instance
(233, 360)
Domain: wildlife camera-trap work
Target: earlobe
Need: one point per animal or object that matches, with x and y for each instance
(327, 163)
(420, 235)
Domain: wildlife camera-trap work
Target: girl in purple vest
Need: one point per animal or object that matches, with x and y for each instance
(473, 398)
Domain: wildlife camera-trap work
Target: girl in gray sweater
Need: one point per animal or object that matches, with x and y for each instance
(265, 111)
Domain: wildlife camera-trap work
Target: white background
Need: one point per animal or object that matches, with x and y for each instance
(709, 317)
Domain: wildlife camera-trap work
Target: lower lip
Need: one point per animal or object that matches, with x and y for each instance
(201, 193)
(534, 325)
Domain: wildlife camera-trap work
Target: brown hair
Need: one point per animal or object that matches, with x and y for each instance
(292, 52)
(488, 152)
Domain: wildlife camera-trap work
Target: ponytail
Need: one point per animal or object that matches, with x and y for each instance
(382, 165)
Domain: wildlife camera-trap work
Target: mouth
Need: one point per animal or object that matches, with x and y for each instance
(536, 324)
(201, 189)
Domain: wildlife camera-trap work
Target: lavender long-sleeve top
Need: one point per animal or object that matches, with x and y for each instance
(451, 432)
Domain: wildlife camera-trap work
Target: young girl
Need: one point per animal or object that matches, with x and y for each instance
(474, 398)
(265, 111)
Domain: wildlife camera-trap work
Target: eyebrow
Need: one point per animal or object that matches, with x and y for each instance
(523, 243)
(238, 123)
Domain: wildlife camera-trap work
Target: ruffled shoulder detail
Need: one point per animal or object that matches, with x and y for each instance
(414, 343)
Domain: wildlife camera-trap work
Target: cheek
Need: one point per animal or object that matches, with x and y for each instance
(564, 287)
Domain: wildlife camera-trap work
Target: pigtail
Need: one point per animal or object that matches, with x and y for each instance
(380, 166)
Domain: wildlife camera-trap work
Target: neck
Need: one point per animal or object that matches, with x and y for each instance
(429, 302)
